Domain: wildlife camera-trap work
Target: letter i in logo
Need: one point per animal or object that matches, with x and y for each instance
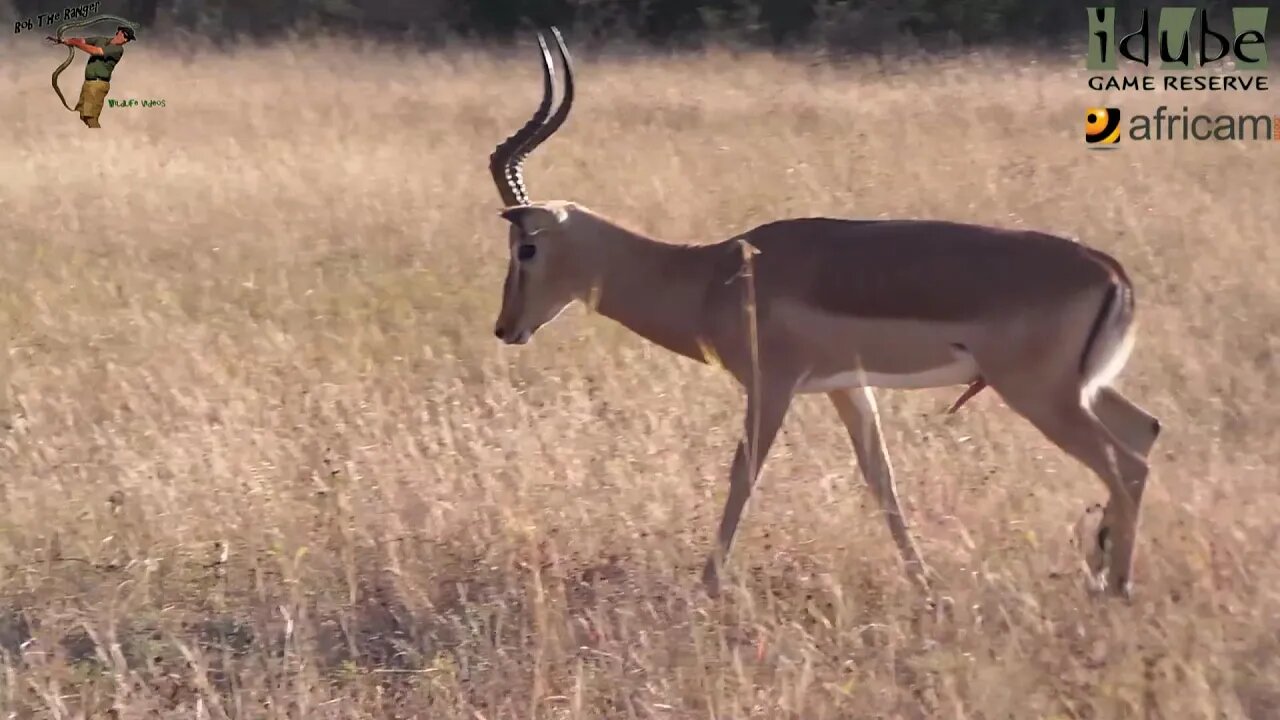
(1102, 126)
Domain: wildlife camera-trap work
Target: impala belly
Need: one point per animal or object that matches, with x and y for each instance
(961, 371)
(844, 352)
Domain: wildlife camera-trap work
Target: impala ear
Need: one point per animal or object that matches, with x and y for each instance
(532, 218)
(515, 214)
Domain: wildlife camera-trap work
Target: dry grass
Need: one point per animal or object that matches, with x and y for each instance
(262, 457)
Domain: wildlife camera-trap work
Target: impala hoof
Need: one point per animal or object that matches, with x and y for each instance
(921, 576)
(711, 580)
(1120, 588)
(1095, 584)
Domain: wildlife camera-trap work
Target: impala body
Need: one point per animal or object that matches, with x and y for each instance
(839, 307)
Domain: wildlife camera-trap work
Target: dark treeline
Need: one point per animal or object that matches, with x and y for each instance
(839, 25)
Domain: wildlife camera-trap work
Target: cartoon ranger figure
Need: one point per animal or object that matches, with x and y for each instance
(104, 54)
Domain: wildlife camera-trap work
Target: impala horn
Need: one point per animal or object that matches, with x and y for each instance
(506, 161)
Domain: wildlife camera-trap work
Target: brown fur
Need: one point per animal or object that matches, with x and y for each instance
(835, 298)
(841, 306)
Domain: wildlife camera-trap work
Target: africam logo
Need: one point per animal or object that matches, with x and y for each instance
(1103, 127)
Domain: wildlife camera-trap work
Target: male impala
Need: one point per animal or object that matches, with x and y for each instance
(820, 305)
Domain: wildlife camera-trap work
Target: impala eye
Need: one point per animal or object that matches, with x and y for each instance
(526, 252)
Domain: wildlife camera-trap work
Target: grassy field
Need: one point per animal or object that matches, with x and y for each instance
(262, 457)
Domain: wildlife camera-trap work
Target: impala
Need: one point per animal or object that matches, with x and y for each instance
(818, 305)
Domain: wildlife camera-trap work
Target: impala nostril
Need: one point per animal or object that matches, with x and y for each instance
(498, 333)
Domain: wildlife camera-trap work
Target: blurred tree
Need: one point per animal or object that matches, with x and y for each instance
(844, 25)
(142, 11)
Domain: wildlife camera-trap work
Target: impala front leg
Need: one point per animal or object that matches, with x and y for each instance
(858, 411)
(763, 420)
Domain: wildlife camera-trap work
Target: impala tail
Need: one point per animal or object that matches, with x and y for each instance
(1110, 340)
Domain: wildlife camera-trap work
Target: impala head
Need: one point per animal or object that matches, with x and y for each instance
(538, 284)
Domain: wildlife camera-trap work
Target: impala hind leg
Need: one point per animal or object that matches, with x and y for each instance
(764, 418)
(858, 411)
(1130, 424)
(1137, 430)
(1064, 418)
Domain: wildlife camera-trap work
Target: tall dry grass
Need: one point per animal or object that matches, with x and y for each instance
(262, 456)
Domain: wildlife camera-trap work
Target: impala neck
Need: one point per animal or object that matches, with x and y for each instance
(655, 289)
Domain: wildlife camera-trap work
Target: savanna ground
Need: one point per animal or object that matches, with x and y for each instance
(262, 456)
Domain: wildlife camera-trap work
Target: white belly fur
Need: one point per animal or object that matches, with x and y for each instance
(959, 372)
